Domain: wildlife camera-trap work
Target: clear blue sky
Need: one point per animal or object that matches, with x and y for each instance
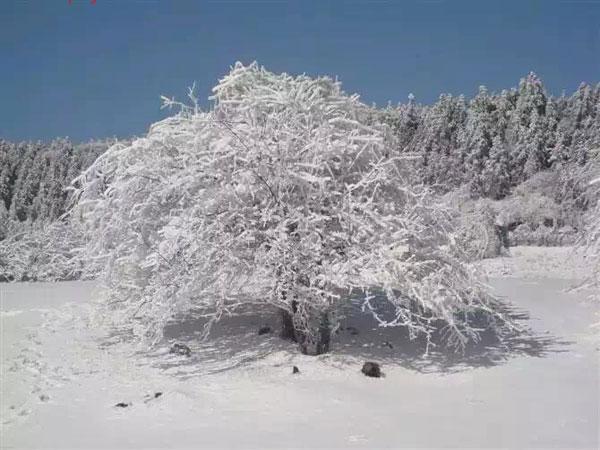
(89, 71)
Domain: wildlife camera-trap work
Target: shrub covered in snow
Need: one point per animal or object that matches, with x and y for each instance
(478, 233)
(35, 242)
(280, 196)
(476, 225)
(542, 236)
(531, 216)
(43, 251)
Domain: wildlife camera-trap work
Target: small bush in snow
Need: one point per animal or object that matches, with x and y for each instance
(478, 233)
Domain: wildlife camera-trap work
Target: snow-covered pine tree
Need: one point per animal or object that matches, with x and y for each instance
(4, 221)
(7, 172)
(26, 183)
(404, 120)
(279, 196)
(437, 141)
(526, 129)
(477, 140)
(496, 172)
(538, 153)
(537, 132)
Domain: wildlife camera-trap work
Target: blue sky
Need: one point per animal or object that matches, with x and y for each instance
(90, 71)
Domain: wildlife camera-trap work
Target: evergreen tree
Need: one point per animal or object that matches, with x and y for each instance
(437, 142)
(478, 138)
(496, 174)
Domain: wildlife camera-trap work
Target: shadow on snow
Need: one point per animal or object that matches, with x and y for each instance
(235, 342)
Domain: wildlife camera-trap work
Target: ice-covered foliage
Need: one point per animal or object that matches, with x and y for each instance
(475, 224)
(478, 232)
(43, 251)
(35, 244)
(279, 196)
(34, 175)
(495, 141)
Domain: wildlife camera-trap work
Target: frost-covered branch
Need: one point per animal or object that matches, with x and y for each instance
(282, 196)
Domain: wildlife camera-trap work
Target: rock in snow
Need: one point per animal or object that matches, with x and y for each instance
(150, 397)
(181, 349)
(264, 330)
(371, 369)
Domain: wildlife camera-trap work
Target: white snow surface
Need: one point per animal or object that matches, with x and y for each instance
(527, 262)
(61, 380)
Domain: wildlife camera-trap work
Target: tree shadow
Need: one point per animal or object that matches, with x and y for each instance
(235, 342)
(361, 337)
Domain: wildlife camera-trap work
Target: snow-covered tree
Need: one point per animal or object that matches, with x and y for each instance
(33, 176)
(437, 141)
(532, 131)
(279, 196)
(477, 140)
(4, 222)
(404, 120)
(34, 244)
(42, 251)
(591, 237)
(495, 177)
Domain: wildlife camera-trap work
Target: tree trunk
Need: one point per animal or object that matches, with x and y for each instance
(288, 331)
(315, 342)
(319, 341)
(502, 233)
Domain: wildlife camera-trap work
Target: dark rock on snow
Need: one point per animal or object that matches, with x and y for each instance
(150, 397)
(371, 369)
(295, 370)
(264, 330)
(122, 405)
(181, 349)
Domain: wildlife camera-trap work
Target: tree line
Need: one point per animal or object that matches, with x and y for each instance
(491, 145)
(494, 142)
(34, 176)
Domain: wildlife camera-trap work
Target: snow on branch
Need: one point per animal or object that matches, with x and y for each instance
(281, 195)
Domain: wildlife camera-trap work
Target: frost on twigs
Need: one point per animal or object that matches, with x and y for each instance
(279, 196)
(43, 250)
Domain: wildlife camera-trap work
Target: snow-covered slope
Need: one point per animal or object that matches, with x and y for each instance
(61, 381)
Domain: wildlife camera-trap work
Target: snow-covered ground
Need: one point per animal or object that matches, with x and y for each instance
(61, 379)
(526, 262)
